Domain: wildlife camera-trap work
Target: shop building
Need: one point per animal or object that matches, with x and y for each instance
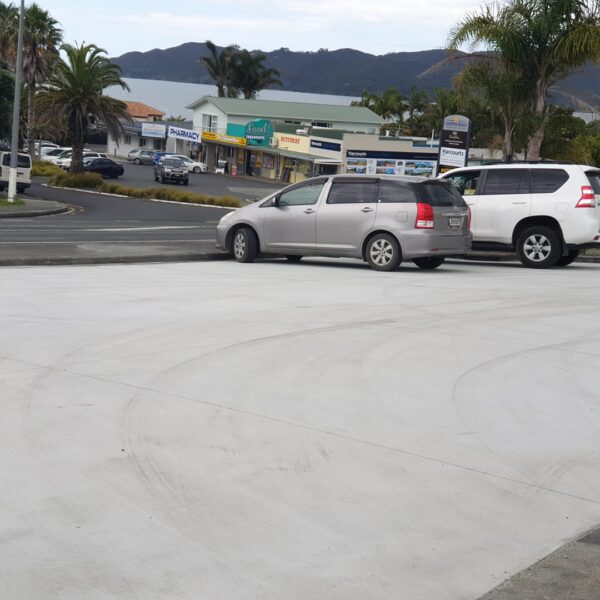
(147, 129)
(288, 141)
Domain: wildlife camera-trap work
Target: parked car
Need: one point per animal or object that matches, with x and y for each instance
(23, 171)
(382, 220)
(49, 153)
(171, 170)
(104, 166)
(66, 153)
(193, 166)
(65, 163)
(157, 156)
(546, 212)
(140, 156)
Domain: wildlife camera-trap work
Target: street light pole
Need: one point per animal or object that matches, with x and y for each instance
(14, 145)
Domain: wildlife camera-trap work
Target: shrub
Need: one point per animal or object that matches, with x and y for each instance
(94, 181)
(43, 168)
(83, 180)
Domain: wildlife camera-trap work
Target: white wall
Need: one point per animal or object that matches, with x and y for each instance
(209, 109)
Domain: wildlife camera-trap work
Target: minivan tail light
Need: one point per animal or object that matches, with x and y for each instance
(424, 216)
(588, 198)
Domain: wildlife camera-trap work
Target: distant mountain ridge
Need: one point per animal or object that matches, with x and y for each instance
(344, 72)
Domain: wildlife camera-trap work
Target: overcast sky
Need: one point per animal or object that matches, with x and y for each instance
(376, 26)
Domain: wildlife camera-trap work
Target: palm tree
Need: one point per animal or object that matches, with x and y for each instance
(391, 105)
(544, 41)
(250, 75)
(9, 24)
(41, 38)
(74, 93)
(416, 102)
(220, 68)
(367, 100)
(503, 91)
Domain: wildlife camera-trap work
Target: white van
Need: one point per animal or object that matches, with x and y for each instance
(23, 171)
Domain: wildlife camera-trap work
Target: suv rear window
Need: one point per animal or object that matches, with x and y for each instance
(23, 162)
(547, 181)
(594, 177)
(397, 191)
(440, 193)
(506, 181)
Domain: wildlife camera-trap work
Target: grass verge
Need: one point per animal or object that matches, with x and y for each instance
(5, 203)
(95, 182)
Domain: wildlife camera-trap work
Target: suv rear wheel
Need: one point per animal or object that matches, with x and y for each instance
(539, 247)
(244, 245)
(429, 262)
(383, 252)
(563, 261)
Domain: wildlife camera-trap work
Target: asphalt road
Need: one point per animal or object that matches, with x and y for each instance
(105, 218)
(208, 183)
(317, 430)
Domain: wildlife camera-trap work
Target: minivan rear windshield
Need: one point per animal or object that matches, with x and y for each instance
(23, 162)
(440, 193)
(594, 177)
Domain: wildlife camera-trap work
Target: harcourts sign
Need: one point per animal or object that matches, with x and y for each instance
(183, 134)
(258, 133)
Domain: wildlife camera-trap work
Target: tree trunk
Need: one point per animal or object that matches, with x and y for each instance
(535, 140)
(77, 157)
(507, 144)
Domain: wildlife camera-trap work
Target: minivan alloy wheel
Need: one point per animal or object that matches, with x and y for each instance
(381, 252)
(239, 245)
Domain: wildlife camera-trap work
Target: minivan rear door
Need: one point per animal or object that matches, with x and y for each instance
(450, 211)
(348, 214)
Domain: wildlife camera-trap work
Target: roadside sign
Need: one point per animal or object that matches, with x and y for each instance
(454, 143)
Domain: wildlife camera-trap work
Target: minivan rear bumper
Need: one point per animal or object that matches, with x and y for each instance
(417, 243)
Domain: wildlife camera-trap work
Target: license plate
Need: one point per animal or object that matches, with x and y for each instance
(455, 222)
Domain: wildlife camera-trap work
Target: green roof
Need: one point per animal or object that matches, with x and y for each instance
(277, 110)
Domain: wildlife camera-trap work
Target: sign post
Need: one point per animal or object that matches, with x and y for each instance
(454, 143)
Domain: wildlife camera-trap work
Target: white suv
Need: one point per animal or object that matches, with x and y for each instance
(547, 212)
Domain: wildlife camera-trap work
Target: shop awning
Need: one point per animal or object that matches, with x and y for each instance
(291, 154)
(328, 161)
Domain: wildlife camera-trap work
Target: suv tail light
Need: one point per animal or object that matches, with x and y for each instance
(588, 198)
(424, 216)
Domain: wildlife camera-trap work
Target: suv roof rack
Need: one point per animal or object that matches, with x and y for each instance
(541, 161)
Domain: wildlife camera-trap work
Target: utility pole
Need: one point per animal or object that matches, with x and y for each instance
(14, 145)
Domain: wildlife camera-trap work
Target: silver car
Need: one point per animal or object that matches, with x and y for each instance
(382, 220)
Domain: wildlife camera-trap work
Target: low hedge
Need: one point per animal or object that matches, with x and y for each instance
(43, 168)
(95, 181)
(88, 181)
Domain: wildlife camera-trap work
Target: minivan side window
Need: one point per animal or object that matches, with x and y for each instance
(506, 181)
(465, 183)
(352, 192)
(547, 181)
(303, 195)
(397, 191)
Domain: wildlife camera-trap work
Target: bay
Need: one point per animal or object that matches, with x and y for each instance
(172, 97)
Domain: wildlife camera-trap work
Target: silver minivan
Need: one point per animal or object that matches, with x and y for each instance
(382, 220)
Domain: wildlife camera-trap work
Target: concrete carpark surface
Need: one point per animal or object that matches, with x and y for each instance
(316, 430)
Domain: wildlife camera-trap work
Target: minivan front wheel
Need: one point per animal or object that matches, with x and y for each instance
(244, 245)
(539, 247)
(429, 262)
(383, 252)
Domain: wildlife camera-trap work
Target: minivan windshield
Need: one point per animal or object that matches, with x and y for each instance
(440, 193)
